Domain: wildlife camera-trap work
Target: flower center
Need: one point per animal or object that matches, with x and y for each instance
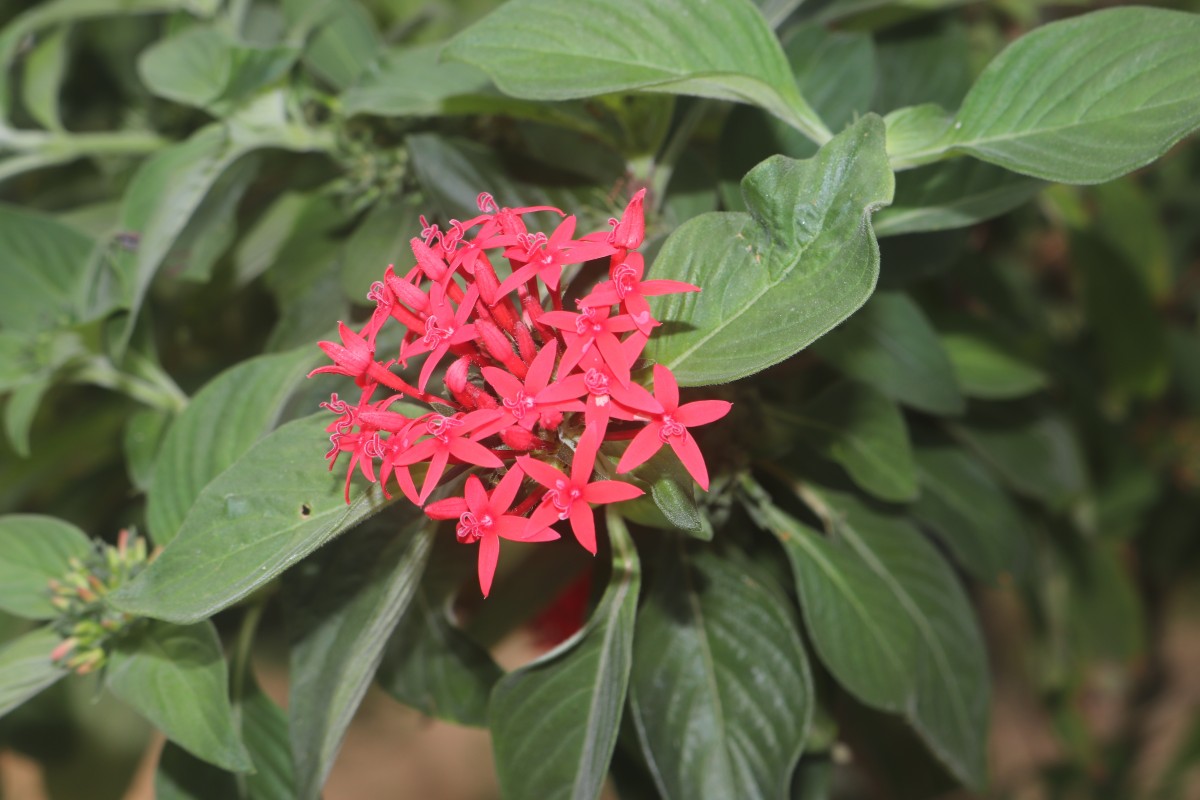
(434, 333)
(596, 381)
(562, 496)
(519, 405)
(588, 323)
(471, 528)
(625, 280)
(670, 428)
(439, 427)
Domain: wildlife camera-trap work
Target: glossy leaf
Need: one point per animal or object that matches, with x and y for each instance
(775, 279)
(554, 722)
(953, 195)
(862, 637)
(1081, 100)
(26, 668)
(175, 676)
(725, 50)
(222, 422)
(890, 345)
(273, 506)
(986, 370)
(949, 705)
(862, 430)
(969, 511)
(34, 550)
(716, 650)
(342, 609)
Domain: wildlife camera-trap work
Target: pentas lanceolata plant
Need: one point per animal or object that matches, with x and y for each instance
(532, 390)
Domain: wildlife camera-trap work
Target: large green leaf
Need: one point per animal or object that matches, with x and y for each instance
(775, 279)
(220, 424)
(949, 705)
(342, 40)
(342, 608)
(33, 550)
(44, 262)
(985, 369)
(953, 195)
(1081, 100)
(273, 506)
(554, 722)
(412, 82)
(970, 512)
(26, 668)
(890, 345)
(720, 692)
(175, 676)
(865, 640)
(44, 70)
(434, 667)
(544, 50)
(856, 426)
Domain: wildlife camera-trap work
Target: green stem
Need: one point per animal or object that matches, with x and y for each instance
(101, 372)
(664, 167)
(240, 670)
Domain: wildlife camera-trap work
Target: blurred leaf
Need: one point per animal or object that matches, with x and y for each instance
(986, 370)
(43, 76)
(342, 608)
(889, 344)
(929, 63)
(1080, 100)
(258, 249)
(26, 668)
(432, 666)
(1131, 223)
(382, 238)
(962, 503)
(863, 637)
(670, 499)
(949, 706)
(726, 51)
(807, 243)
(863, 431)
(43, 267)
(182, 776)
(1105, 616)
(1129, 330)
(269, 509)
(175, 677)
(265, 731)
(1036, 453)
(33, 550)
(716, 649)
(412, 81)
(20, 411)
(953, 195)
(222, 422)
(141, 441)
(342, 40)
(568, 703)
(213, 225)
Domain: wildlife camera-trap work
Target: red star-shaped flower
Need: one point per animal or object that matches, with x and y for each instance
(592, 328)
(447, 438)
(629, 290)
(525, 402)
(444, 328)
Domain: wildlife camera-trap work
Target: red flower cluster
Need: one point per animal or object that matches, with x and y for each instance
(526, 384)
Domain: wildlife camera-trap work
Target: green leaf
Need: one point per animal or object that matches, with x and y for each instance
(720, 693)
(20, 411)
(962, 503)
(140, 442)
(412, 82)
(986, 370)
(43, 77)
(863, 431)
(775, 279)
(929, 63)
(890, 345)
(722, 49)
(342, 609)
(949, 706)
(43, 267)
(862, 636)
(432, 666)
(554, 722)
(1034, 452)
(273, 506)
(953, 195)
(26, 668)
(382, 238)
(182, 776)
(33, 550)
(222, 422)
(175, 677)
(1082, 100)
(342, 40)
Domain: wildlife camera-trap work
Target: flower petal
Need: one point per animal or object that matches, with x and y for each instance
(701, 412)
(583, 525)
(610, 492)
(665, 388)
(476, 495)
(584, 459)
(437, 466)
(489, 555)
(540, 471)
(644, 445)
(541, 367)
(506, 491)
(474, 453)
(693, 460)
(505, 383)
(450, 508)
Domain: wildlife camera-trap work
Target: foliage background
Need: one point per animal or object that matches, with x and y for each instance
(1068, 327)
